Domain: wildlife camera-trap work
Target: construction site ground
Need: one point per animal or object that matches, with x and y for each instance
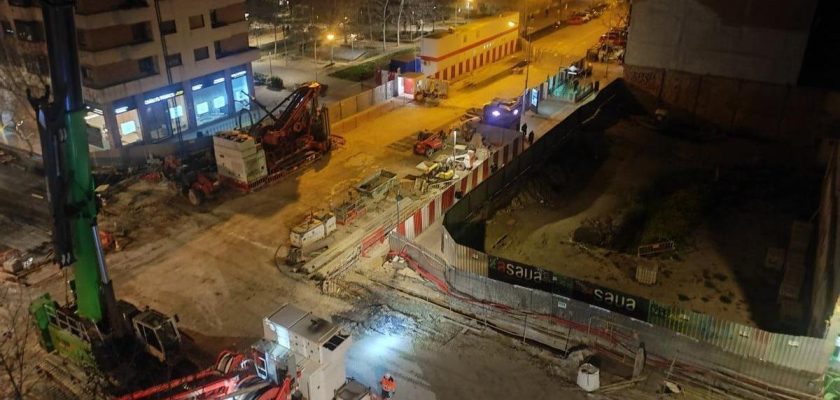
(622, 183)
(214, 266)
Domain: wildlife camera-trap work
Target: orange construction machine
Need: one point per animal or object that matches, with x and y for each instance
(294, 133)
(300, 356)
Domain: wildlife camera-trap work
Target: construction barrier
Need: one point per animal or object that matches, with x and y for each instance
(754, 364)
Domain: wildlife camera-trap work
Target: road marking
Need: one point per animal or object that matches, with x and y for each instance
(244, 239)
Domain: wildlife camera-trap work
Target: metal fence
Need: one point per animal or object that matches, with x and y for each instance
(348, 113)
(744, 361)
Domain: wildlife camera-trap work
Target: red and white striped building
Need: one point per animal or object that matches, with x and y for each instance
(454, 54)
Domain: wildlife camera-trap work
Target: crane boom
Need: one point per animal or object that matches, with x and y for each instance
(70, 185)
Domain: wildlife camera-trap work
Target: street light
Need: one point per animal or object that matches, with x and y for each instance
(330, 38)
(454, 145)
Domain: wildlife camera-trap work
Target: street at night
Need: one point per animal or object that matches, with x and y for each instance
(417, 199)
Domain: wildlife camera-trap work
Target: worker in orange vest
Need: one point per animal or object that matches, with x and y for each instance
(389, 386)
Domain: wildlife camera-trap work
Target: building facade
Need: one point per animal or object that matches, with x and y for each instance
(756, 40)
(460, 51)
(152, 70)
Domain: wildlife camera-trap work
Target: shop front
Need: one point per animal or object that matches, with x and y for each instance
(164, 113)
(96, 128)
(128, 121)
(210, 98)
(241, 88)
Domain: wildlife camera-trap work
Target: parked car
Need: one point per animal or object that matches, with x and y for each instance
(260, 79)
(576, 20)
(614, 38)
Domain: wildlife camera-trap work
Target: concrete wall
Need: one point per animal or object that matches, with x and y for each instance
(826, 286)
(766, 110)
(760, 40)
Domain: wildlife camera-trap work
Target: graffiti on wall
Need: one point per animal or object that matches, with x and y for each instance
(647, 79)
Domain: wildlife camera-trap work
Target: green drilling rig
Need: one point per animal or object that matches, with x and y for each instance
(94, 329)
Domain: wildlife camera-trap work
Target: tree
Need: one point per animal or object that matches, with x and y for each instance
(399, 19)
(16, 339)
(384, 23)
(23, 66)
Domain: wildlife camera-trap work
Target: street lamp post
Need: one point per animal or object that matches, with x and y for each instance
(528, 55)
(454, 145)
(331, 38)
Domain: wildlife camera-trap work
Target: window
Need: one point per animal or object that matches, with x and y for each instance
(36, 64)
(140, 32)
(168, 27)
(214, 20)
(210, 99)
(147, 65)
(201, 53)
(173, 60)
(239, 82)
(21, 3)
(87, 73)
(7, 28)
(128, 122)
(81, 37)
(29, 31)
(197, 21)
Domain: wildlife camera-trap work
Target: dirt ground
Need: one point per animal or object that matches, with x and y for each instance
(724, 201)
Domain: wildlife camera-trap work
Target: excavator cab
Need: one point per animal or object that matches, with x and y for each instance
(158, 334)
(154, 331)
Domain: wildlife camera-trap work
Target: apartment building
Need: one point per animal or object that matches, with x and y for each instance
(151, 69)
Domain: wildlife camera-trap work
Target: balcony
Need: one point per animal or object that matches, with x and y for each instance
(225, 16)
(120, 72)
(119, 16)
(22, 3)
(93, 7)
(95, 40)
(224, 54)
(233, 45)
(115, 54)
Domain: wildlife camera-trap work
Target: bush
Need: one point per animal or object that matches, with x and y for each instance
(677, 214)
(356, 73)
(260, 78)
(275, 83)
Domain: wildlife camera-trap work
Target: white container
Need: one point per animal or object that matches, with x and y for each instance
(246, 168)
(236, 141)
(589, 377)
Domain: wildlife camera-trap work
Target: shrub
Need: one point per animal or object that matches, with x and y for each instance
(275, 83)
